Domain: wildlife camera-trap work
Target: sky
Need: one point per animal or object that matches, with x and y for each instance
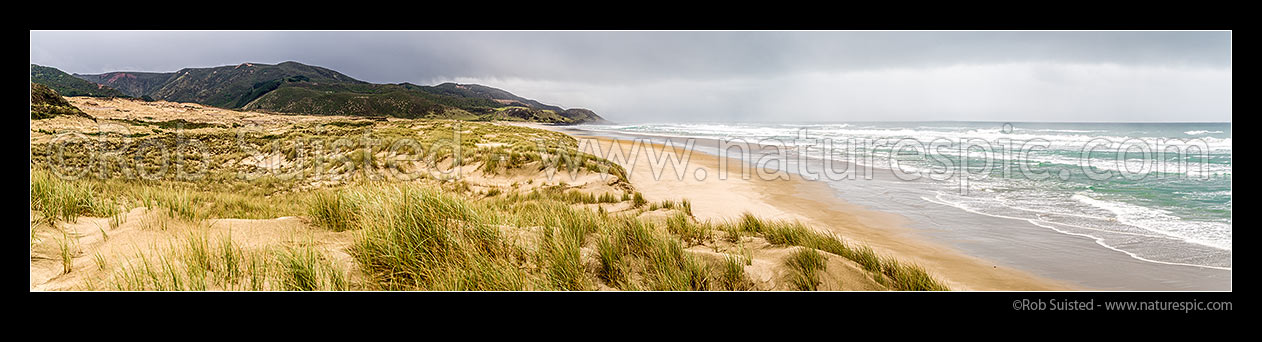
(724, 76)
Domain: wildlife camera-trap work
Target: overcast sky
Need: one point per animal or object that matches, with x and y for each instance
(737, 76)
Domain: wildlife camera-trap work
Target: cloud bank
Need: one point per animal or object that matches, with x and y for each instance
(738, 76)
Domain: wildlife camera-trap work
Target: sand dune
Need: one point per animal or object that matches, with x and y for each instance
(814, 203)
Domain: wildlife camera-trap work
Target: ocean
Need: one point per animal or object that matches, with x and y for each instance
(1157, 193)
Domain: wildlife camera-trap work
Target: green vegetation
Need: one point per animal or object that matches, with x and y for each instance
(68, 85)
(732, 275)
(171, 124)
(682, 226)
(307, 269)
(638, 200)
(313, 152)
(134, 84)
(59, 200)
(46, 103)
(234, 86)
(886, 271)
(292, 87)
(436, 232)
(415, 238)
(332, 210)
(805, 264)
(635, 256)
(200, 264)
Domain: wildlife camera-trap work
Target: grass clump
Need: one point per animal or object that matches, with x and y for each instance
(888, 272)
(732, 275)
(306, 269)
(607, 198)
(332, 210)
(670, 269)
(562, 255)
(197, 263)
(638, 200)
(806, 264)
(615, 266)
(65, 200)
(910, 277)
(633, 256)
(68, 249)
(680, 225)
(417, 238)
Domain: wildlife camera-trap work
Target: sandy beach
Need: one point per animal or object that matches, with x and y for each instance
(816, 204)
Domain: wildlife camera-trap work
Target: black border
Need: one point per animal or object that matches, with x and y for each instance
(745, 310)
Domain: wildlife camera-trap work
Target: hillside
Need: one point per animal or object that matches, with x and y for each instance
(135, 84)
(292, 87)
(68, 85)
(306, 97)
(46, 103)
(235, 86)
(485, 92)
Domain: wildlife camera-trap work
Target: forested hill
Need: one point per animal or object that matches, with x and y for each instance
(293, 87)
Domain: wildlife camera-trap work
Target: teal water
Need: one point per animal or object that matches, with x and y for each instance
(1158, 192)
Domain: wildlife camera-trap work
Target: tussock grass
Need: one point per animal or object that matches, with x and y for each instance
(101, 264)
(633, 251)
(615, 267)
(179, 204)
(887, 271)
(670, 269)
(732, 232)
(259, 270)
(116, 220)
(66, 199)
(198, 263)
(607, 198)
(68, 248)
(664, 204)
(561, 252)
(331, 210)
(197, 257)
(638, 200)
(231, 258)
(910, 277)
(806, 264)
(681, 225)
(556, 193)
(306, 269)
(160, 221)
(866, 258)
(58, 199)
(417, 238)
(732, 275)
(750, 223)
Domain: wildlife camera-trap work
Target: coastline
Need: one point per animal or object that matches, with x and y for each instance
(816, 204)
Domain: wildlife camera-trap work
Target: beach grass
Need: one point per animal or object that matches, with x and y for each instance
(732, 277)
(806, 264)
(887, 271)
(435, 233)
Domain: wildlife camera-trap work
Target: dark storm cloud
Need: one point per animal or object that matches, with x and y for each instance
(715, 75)
(614, 56)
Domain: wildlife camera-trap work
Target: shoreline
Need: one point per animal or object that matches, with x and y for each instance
(817, 204)
(1073, 261)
